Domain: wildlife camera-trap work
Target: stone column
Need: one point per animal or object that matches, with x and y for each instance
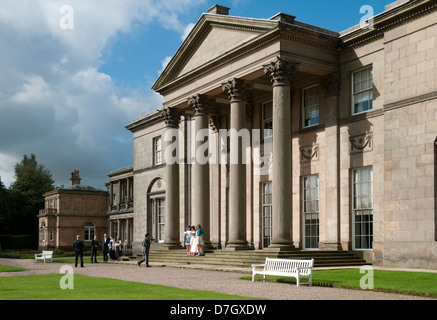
(237, 174)
(201, 207)
(172, 205)
(281, 72)
(330, 224)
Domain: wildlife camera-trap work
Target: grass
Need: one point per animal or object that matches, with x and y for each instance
(10, 269)
(403, 282)
(47, 287)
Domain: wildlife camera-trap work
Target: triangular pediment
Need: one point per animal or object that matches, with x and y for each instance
(213, 37)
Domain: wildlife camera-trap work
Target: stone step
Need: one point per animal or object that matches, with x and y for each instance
(246, 258)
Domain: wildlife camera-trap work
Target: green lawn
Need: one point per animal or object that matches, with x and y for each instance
(10, 269)
(47, 287)
(415, 283)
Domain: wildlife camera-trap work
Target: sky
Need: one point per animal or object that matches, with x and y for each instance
(74, 73)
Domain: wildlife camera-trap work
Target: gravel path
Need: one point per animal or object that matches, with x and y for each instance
(218, 281)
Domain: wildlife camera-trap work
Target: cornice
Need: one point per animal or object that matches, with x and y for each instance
(387, 21)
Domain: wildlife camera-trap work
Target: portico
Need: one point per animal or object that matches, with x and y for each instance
(264, 61)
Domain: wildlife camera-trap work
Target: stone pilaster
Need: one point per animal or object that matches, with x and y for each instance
(281, 73)
(329, 238)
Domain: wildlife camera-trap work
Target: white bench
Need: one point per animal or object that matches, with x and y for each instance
(45, 255)
(285, 267)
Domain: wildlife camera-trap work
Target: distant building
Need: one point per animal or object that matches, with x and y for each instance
(75, 210)
(121, 207)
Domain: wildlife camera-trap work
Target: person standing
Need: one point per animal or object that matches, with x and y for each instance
(78, 250)
(105, 242)
(146, 248)
(200, 243)
(94, 247)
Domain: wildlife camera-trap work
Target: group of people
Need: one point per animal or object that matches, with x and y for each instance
(110, 248)
(194, 240)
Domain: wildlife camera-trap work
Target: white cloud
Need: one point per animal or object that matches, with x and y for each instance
(54, 101)
(164, 64)
(187, 31)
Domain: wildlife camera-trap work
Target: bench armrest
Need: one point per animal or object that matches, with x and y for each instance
(254, 266)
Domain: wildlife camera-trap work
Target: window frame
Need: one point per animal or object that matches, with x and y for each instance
(369, 90)
(157, 154)
(354, 210)
(312, 106)
(316, 212)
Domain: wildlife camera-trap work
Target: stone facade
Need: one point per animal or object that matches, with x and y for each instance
(353, 116)
(75, 210)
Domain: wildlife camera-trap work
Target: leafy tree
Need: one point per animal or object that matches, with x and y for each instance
(25, 197)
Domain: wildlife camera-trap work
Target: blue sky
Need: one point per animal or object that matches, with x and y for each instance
(66, 94)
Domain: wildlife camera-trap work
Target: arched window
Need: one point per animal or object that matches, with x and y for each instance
(90, 231)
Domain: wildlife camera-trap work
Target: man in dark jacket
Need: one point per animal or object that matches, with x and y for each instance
(94, 247)
(78, 250)
(146, 248)
(105, 250)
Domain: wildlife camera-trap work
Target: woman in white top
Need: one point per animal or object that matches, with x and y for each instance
(193, 244)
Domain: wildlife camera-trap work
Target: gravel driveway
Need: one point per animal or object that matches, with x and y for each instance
(218, 281)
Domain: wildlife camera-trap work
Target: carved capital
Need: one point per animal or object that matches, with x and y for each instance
(201, 104)
(171, 117)
(236, 89)
(281, 71)
(332, 84)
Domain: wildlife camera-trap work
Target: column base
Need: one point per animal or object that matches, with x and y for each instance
(172, 245)
(237, 245)
(330, 246)
(278, 247)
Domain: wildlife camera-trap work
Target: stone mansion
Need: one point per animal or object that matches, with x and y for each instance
(314, 139)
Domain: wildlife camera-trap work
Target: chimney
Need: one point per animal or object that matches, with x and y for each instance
(75, 178)
(218, 9)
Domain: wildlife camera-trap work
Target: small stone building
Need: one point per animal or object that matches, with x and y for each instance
(75, 210)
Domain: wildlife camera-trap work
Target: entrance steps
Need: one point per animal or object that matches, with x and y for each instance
(245, 258)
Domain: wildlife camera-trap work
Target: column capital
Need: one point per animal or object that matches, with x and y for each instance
(281, 71)
(201, 104)
(171, 116)
(332, 84)
(237, 89)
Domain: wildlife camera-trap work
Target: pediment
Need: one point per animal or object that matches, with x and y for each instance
(212, 38)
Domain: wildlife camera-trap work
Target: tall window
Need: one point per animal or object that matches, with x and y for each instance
(362, 192)
(311, 106)
(160, 212)
(268, 119)
(90, 231)
(267, 213)
(311, 211)
(362, 90)
(157, 148)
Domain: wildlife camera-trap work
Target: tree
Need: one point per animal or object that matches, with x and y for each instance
(26, 193)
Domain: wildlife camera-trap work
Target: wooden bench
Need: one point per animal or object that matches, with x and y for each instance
(45, 255)
(285, 267)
